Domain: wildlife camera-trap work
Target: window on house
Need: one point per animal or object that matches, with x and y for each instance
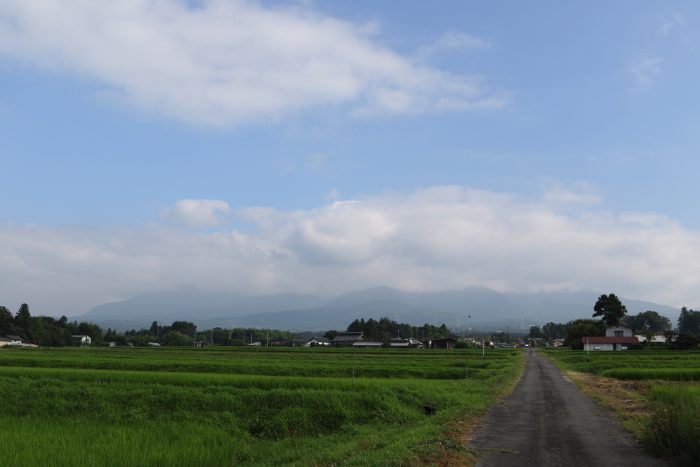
(619, 333)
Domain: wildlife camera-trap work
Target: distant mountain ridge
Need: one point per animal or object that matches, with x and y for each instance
(478, 308)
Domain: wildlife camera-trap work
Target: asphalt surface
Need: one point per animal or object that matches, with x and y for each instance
(548, 421)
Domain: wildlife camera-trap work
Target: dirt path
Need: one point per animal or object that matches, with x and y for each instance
(547, 421)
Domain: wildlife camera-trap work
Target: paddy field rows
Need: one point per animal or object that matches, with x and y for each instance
(242, 406)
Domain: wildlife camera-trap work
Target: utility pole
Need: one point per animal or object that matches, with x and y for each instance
(466, 364)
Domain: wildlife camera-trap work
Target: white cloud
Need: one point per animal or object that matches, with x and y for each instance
(432, 239)
(453, 40)
(231, 62)
(198, 212)
(669, 23)
(644, 70)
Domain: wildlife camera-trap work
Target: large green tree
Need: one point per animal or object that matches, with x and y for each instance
(610, 310)
(6, 321)
(648, 322)
(177, 338)
(23, 318)
(535, 332)
(185, 327)
(689, 323)
(579, 328)
(552, 331)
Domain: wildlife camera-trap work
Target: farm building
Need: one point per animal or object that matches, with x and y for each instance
(347, 338)
(608, 343)
(410, 342)
(657, 339)
(317, 342)
(394, 343)
(10, 340)
(363, 344)
(444, 343)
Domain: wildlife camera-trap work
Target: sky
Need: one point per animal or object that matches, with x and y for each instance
(326, 146)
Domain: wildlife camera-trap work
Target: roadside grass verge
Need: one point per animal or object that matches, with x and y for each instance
(654, 394)
(674, 429)
(672, 374)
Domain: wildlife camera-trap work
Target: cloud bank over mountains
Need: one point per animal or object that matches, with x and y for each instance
(198, 212)
(432, 239)
(229, 62)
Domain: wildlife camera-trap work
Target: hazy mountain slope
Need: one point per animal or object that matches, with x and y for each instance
(191, 305)
(477, 308)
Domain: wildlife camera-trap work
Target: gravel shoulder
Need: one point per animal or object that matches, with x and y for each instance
(548, 421)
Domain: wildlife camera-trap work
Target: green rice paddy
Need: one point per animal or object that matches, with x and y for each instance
(241, 406)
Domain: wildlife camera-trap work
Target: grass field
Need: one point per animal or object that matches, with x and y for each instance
(672, 389)
(241, 406)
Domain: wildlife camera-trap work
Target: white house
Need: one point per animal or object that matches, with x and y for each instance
(618, 331)
(10, 341)
(616, 338)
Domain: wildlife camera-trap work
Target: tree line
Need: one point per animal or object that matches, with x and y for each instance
(386, 329)
(45, 330)
(610, 311)
(185, 333)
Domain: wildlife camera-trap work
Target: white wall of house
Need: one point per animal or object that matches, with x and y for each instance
(656, 339)
(615, 331)
(597, 347)
(8, 341)
(603, 347)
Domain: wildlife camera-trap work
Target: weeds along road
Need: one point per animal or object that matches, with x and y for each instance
(548, 421)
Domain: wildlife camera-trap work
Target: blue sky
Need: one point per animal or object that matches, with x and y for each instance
(274, 124)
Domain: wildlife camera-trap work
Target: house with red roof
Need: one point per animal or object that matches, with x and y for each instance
(616, 338)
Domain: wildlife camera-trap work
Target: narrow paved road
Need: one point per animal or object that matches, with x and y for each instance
(548, 421)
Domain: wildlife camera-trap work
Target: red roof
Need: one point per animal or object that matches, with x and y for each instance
(610, 340)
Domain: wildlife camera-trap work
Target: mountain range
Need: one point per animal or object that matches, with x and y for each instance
(476, 308)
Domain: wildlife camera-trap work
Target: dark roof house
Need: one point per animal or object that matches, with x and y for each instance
(347, 338)
(443, 343)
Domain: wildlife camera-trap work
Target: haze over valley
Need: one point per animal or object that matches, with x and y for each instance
(475, 308)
